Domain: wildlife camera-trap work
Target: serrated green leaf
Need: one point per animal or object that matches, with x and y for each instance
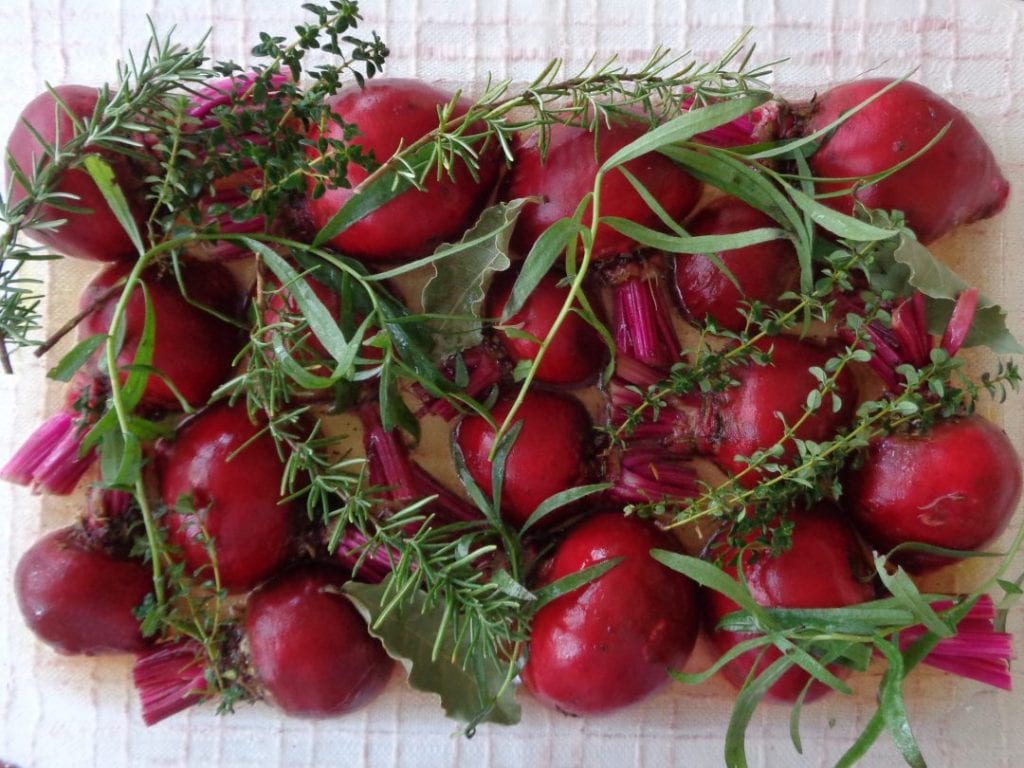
(457, 288)
(912, 265)
(477, 692)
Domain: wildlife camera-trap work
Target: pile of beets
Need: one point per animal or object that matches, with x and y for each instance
(218, 484)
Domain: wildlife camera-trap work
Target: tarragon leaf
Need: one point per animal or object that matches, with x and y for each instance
(472, 690)
(456, 290)
(912, 264)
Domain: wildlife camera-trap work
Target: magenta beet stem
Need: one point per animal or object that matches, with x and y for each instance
(484, 371)
(169, 679)
(402, 478)
(49, 460)
(370, 566)
(645, 476)
(908, 340)
(977, 651)
(643, 326)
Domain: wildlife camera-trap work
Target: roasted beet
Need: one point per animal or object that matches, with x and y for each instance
(567, 174)
(95, 234)
(611, 642)
(221, 481)
(549, 456)
(194, 349)
(825, 568)
(79, 599)
(390, 114)
(576, 352)
(309, 647)
(955, 485)
(764, 272)
(955, 182)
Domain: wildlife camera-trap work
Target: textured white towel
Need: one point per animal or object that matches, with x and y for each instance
(76, 712)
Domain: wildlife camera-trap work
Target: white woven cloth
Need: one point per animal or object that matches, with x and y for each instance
(76, 712)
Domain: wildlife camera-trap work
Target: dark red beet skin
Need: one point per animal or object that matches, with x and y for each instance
(825, 568)
(955, 486)
(78, 599)
(392, 113)
(746, 420)
(575, 354)
(235, 493)
(955, 182)
(548, 457)
(764, 272)
(567, 175)
(193, 348)
(309, 647)
(611, 642)
(95, 235)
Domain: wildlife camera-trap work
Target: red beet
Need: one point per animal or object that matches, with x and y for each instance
(747, 418)
(764, 272)
(567, 175)
(96, 234)
(309, 646)
(611, 642)
(193, 348)
(221, 481)
(955, 182)
(575, 354)
(824, 568)
(77, 598)
(956, 486)
(548, 457)
(389, 114)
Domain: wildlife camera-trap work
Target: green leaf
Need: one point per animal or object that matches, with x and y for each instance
(838, 223)
(709, 575)
(457, 288)
(368, 197)
(103, 176)
(572, 582)
(912, 265)
(138, 376)
(321, 322)
(706, 244)
(79, 355)
(546, 250)
(904, 590)
(480, 691)
(743, 710)
(894, 709)
(698, 678)
(562, 499)
(686, 126)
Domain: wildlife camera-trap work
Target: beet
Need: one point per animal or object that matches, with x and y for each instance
(309, 647)
(221, 479)
(955, 485)
(611, 642)
(549, 456)
(955, 182)
(576, 353)
(392, 113)
(567, 174)
(824, 568)
(79, 599)
(764, 271)
(193, 348)
(95, 234)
